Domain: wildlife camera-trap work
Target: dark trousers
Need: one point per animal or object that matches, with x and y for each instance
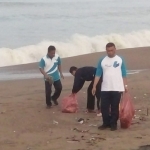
(110, 99)
(48, 91)
(91, 98)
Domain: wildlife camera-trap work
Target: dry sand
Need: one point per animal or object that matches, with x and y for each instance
(25, 123)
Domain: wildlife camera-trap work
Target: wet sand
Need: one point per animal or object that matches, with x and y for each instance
(25, 123)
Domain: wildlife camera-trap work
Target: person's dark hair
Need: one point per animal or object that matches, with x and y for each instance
(51, 48)
(73, 68)
(110, 45)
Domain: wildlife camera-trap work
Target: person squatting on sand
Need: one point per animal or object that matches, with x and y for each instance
(114, 83)
(80, 76)
(50, 66)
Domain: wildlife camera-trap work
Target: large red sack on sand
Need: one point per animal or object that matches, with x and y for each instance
(69, 104)
(127, 111)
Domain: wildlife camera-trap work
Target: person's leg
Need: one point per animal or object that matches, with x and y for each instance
(98, 91)
(48, 92)
(115, 100)
(105, 104)
(58, 89)
(90, 98)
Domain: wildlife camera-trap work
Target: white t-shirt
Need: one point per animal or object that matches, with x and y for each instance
(113, 70)
(50, 66)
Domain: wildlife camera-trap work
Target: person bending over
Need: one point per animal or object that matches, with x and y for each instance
(80, 76)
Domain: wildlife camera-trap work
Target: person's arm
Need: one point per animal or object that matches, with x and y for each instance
(59, 67)
(124, 75)
(78, 84)
(99, 72)
(41, 68)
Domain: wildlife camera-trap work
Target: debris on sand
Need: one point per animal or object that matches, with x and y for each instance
(2, 112)
(136, 117)
(72, 139)
(144, 147)
(142, 118)
(135, 123)
(92, 125)
(81, 120)
(78, 130)
(138, 110)
(94, 140)
(147, 111)
(55, 122)
(138, 137)
(97, 138)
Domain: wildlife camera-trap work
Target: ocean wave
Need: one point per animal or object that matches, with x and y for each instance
(77, 45)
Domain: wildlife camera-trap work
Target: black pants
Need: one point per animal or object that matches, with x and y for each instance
(110, 99)
(91, 98)
(48, 91)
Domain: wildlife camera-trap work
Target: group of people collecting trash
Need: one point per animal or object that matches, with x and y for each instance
(108, 82)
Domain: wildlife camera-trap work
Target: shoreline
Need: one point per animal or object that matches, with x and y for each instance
(25, 75)
(122, 52)
(27, 71)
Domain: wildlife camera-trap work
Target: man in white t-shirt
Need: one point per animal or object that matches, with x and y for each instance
(114, 84)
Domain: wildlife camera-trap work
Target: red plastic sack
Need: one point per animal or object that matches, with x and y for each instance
(69, 104)
(126, 111)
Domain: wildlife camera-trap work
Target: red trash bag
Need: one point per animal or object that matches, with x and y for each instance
(70, 104)
(126, 111)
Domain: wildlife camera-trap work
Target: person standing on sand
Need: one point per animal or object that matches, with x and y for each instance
(114, 83)
(50, 67)
(80, 76)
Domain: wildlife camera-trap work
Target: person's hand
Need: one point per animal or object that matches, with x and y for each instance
(46, 76)
(94, 90)
(126, 88)
(62, 76)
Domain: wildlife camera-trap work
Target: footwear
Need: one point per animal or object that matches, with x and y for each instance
(103, 127)
(99, 114)
(55, 102)
(113, 128)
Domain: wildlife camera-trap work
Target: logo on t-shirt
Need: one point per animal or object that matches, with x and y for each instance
(116, 64)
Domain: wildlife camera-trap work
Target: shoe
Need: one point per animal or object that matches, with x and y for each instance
(99, 114)
(103, 127)
(55, 102)
(113, 128)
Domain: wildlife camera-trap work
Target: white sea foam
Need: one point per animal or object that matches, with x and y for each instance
(77, 45)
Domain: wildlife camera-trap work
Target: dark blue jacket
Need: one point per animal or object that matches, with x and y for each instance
(83, 74)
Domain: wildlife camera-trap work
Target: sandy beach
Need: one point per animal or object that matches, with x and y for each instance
(25, 123)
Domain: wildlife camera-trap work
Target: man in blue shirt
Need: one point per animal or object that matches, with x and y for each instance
(50, 67)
